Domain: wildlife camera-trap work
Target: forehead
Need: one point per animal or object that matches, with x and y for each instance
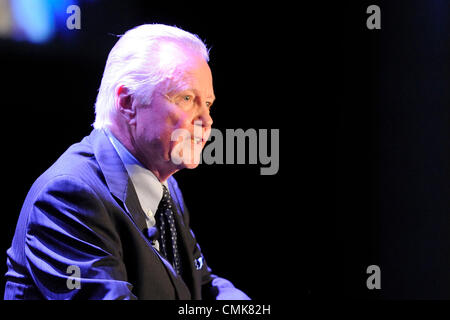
(197, 74)
(194, 75)
(188, 69)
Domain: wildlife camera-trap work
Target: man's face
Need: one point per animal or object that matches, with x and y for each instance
(174, 128)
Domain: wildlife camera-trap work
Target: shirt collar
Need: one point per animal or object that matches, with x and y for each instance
(148, 188)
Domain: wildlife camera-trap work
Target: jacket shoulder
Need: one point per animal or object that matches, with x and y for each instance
(78, 162)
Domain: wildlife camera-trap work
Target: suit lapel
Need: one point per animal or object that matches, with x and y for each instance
(132, 205)
(117, 179)
(189, 272)
(120, 185)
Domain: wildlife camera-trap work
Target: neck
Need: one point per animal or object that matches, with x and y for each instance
(159, 167)
(162, 175)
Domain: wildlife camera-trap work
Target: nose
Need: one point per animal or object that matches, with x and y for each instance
(205, 117)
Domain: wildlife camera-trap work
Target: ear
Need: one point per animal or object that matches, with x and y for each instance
(124, 104)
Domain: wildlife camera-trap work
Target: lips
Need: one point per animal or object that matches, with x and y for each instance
(197, 140)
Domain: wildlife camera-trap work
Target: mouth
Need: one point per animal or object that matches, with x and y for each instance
(198, 140)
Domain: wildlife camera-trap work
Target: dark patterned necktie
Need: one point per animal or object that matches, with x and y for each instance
(168, 232)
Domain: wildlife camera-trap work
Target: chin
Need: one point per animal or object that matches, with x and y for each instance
(185, 155)
(182, 163)
(191, 165)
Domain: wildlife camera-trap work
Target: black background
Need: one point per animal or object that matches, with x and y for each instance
(393, 160)
(364, 139)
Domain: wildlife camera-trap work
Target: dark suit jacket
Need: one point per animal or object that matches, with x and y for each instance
(84, 211)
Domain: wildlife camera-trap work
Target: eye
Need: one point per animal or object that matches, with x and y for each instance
(208, 105)
(185, 100)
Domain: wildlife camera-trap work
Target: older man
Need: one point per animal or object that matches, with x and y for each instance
(107, 220)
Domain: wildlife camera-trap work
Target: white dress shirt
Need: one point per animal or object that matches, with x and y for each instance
(148, 188)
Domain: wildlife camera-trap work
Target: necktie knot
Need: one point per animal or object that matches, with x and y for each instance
(166, 199)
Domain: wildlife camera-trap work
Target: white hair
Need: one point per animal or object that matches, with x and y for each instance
(134, 62)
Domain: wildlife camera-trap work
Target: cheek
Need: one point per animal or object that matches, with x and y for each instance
(158, 124)
(177, 118)
(179, 121)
